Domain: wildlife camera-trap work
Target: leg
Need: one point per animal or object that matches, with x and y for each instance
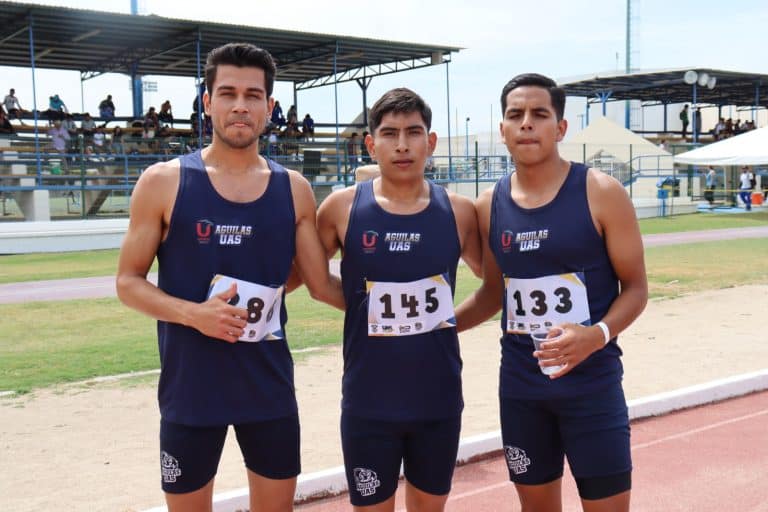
(596, 434)
(616, 503)
(271, 453)
(420, 501)
(429, 460)
(372, 452)
(387, 505)
(540, 498)
(534, 453)
(200, 500)
(270, 495)
(189, 457)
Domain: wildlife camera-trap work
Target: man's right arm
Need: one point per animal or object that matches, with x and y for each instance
(486, 300)
(151, 201)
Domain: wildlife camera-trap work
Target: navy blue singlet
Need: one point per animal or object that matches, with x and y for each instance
(401, 378)
(205, 381)
(557, 238)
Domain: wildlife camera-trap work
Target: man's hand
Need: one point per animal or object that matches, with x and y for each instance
(573, 347)
(218, 318)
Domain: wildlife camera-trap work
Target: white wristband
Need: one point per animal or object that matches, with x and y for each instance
(605, 330)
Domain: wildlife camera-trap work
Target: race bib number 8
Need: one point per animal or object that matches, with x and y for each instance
(404, 309)
(541, 302)
(261, 302)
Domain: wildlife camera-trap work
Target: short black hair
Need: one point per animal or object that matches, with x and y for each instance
(399, 101)
(242, 55)
(556, 94)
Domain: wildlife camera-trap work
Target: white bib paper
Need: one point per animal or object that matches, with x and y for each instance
(542, 302)
(404, 309)
(263, 305)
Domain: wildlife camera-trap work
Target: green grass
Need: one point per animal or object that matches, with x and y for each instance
(679, 269)
(48, 343)
(702, 221)
(61, 265)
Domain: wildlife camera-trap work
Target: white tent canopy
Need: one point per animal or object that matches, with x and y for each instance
(603, 136)
(750, 148)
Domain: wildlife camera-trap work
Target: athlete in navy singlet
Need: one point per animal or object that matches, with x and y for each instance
(225, 225)
(401, 238)
(563, 248)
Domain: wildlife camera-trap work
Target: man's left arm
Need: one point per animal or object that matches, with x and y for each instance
(469, 235)
(615, 217)
(311, 262)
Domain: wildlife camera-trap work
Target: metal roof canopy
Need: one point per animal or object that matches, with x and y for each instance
(668, 86)
(95, 42)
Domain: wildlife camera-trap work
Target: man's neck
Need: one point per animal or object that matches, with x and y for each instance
(232, 160)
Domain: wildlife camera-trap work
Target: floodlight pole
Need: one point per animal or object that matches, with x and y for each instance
(34, 98)
(695, 137)
(138, 87)
(448, 103)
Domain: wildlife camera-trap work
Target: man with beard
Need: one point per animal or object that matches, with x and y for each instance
(225, 225)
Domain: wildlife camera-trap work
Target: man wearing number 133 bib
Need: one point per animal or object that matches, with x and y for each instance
(401, 238)
(562, 248)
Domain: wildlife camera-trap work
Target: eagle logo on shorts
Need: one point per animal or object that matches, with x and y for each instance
(366, 481)
(169, 467)
(517, 460)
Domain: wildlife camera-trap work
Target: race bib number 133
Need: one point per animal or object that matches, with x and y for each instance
(541, 302)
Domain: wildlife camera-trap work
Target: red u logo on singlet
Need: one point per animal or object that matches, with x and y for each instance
(506, 239)
(369, 238)
(203, 229)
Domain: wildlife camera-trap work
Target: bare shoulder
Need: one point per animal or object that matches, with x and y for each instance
(160, 177)
(603, 183)
(340, 200)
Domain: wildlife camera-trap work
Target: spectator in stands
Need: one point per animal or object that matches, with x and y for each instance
(728, 128)
(12, 106)
(737, 128)
(308, 127)
(116, 145)
(663, 145)
(87, 127)
(166, 115)
(107, 109)
(6, 128)
(292, 117)
(59, 137)
(684, 120)
(277, 115)
(365, 157)
(99, 139)
(151, 123)
(56, 108)
(272, 148)
(719, 129)
(353, 149)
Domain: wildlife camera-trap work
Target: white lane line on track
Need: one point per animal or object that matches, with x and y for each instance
(700, 429)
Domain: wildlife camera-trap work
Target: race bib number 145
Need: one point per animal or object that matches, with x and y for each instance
(261, 302)
(404, 309)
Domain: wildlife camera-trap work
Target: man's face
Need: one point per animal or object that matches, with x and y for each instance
(530, 128)
(238, 105)
(401, 145)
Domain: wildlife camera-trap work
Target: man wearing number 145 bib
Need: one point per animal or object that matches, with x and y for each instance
(401, 237)
(225, 225)
(563, 248)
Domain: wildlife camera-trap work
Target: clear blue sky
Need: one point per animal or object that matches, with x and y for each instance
(560, 38)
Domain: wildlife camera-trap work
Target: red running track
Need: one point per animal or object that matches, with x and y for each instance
(711, 458)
